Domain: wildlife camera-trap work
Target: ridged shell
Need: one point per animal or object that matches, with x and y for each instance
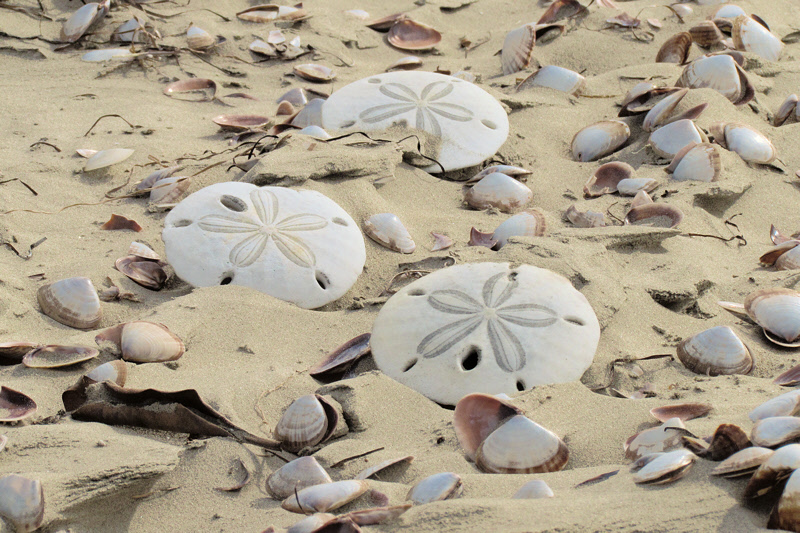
(411, 35)
(787, 404)
(518, 49)
(554, 77)
(530, 223)
(604, 180)
(519, 446)
(72, 301)
(308, 421)
(325, 497)
(532, 490)
(715, 351)
(106, 158)
(786, 514)
(697, 162)
(148, 342)
(667, 141)
(682, 411)
(750, 36)
(296, 475)
(500, 191)
(633, 186)
(476, 416)
(599, 139)
(706, 34)
(22, 502)
(777, 311)
(80, 21)
(655, 215)
(666, 468)
(656, 116)
(675, 49)
(743, 462)
(776, 468)
(387, 230)
(774, 431)
(14, 405)
(441, 486)
(654, 440)
(199, 39)
(749, 143)
(55, 356)
(721, 73)
(727, 440)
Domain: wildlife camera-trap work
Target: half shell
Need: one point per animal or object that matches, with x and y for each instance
(743, 462)
(777, 311)
(675, 49)
(143, 342)
(599, 139)
(325, 497)
(530, 223)
(532, 490)
(715, 351)
(554, 77)
(308, 421)
(106, 158)
(295, 476)
(80, 21)
(774, 431)
(654, 440)
(604, 180)
(55, 356)
(476, 416)
(387, 230)
(72, 301)
(751, 36)
(410, 35)
(667, 141)
(773, 470)
(721, 73)
(666, 468)
(787, 404)
(652, 214)
(441, 486)
(697, 162)
(500, 191)
(313, 72)
(14, 405)
(519, 446)
(749, 143)
(22, 502)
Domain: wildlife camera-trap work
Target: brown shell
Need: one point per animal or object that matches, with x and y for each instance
(476, 416)
(521, 446)
(684, 411)
(315, 73)
(207, 88)
(384, 24)
(343, 357)
(659, 215)
(72, 301)
(706, 34)
(56, 356)
(149, 274)
(604, 180)
(675, 49)
(11, 353)
(14, 405)
(561, 9)
(727, 440)
(410, 35)
(240, 122)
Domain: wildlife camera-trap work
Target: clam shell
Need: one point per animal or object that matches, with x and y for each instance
(787, 109)
(652, 214)
(297, 97)
(129, 31)
(440, 242)
(240, 122)
(55, 356)
(750, 36)
(508, 170)
(697, 162)
(706, 34)
(325, 497)
(387, 230)
(789, 260)
(264, 48)
(500, 191)
(441, 486)
(405, 63)
(775, 469)
(666, 468)
(199, 39)
(721, 73)
(777, 311)
(376, 515)
(682, 411)
(22, 502)
(530, 223)
(787, 404)
(11, 353)
(667, 141)
(786, 514)
(343, 357)
(383, 465)
(774, 431)
(743, 462)
(149, 274)
(476, 416)
(654, 440)
(106, 158)
(80, 21)
(518, 49)
(599, 139)
(532, 490)
(749, 143)
(715, 351)
(313, 72)
(197, 86)
(315, 132)
(310, 524)
(308, 421)
(152, 179)
(727, 440)
(295, 476)
(637, 91)
(641, 198)
(519, 446)
(115, 371)
(633, 186)
(72, 301)
(106, 55)
(554, 77)
(384, 24)
(410, 35)
(728, 12)
(658, 115)
(682, 10)
(270, 12)
(14, 405)
(285, 109)
(169, 190)
(310, 115)
(147, 342)
(605, 178)
(585, 219)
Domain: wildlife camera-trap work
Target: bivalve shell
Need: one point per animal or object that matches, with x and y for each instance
(56, 356)
(387, 230)
(295, 476)
(706, 34)
(532, 490)
(313, 72)
(606, 177)
(682, 411)
(149, 274)
(411, 35)
(308, 421)
(476, 416)
(721, 73)
(653, 214)
(585, 219)
(787, 109)
(715, 351)
(80, 21)
(743, 462)
(12, 353)
(654, 440)
(143, 342)
(771, 472)
(22, 502)
(675, 49)
(697, 162)
(106, 158)
(115, 371)
(199, 39)
(749, 143)
(751, 36)
(667, 141)
(787, 404)
(774, 431)
(786, 514)
(658, 115)
(599, 139)
(777, 311)
(521, 446)
(554, 77)
(518, 49)
(325, 497)
(72, 301)
(633, 186)
(441, 486)
(666, 468)
(508, 170)
(500, 191)
(530, 223)
(14, 405)
(397, 462)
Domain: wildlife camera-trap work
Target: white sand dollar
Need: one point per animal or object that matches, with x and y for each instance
(466, 124)
(299, 246)
(485, 327)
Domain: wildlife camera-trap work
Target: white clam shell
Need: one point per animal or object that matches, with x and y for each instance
(106, 55)
(790, 260)
(304, 423)
(80, 21)
(743, 462)
(530, 223)
(750, 36)
(298, 246)
(310, 115)
(668, 140)
(464, 124)
(786, 514)
(441, 486)
(597, 140)
(776, 467)
(387, 230)
(325, 497)
(775, 430)
(169, 190)
(311, 523)
(115, 371)
(787, 404)
(199, 39)
(22, 502)
(606, 177)
(656, 116)
(129, 31)
(533, 489)
(555, 77)
(72, 301)
(777, 311)
(665, 468)
(632, 186)
(714, 352)
(718, 72)
(749, 143)
(521, 446)
(585, 219)
(296, 475)
(106, 158)
(500, 191)
(697, 162)
(729, 11)
(148, 342)
(315, 132)
(484, 327)
(508, 170)
(655, 440)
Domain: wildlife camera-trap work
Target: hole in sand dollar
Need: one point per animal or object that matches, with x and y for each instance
(322, 280)
(227, 279)
(339, 220)
(410, 365)
(520, 385)
(233, 203)
(347, 124)
(374, 80)
(575, 320)
(182, 223)
(489, 124)
(471, 359)
(416, 292)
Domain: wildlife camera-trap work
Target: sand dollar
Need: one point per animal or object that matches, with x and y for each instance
(485, 327)
(466, 125)
(299, 246)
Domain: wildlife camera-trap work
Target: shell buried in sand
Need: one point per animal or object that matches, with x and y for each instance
(485, 327)
(299, 246)
(464, 123)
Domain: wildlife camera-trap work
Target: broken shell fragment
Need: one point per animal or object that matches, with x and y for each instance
(343, 357)
(533, 490)
(666, 468)
(554, 77)
(721, 73)
(530, 223)
(295, 476)
(656, 215)
(654, 440)
(411, 35)
(105, 55)
(310, 524)
(22, 501)
(500, 191)
(787, 109)
(106, 158)
(667, 141)
(72, 301)
(585, 219)
(675, 49)
(130, 31)
(56, 356)
(787, 404)
(743, 462)
(308, 421)
(383, 465)
(605, 178)
(597, 140)
(682, 411)
(698, 162)
(777, 311)
(387, 230)
(240, 122)
(169, 190)
(115, 371)
(715, 351)
(521, 446)
(325, 497)
(441, 486)
(440, 242)
(14, 405)
(143, 342)
(476, 416)
(751, 36)
(313, 72)
(405, 63)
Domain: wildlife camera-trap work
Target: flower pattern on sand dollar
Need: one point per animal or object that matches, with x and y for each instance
(259, 231)
(427, 106)
(497, 290)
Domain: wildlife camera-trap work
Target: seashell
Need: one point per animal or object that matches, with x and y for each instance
(790, 259)
(106, 158)
(115, 371)
(743, 462)
(377, 515)
(786, 514)
(706, 34)
(295, 476)
(310, 524)
(508, 170)
(240, 122)
(343, 357)
(727, 440)
(130, 32)
(698, 162)
(777, 311)
(532, 490)
(500, 191)
(271, 12)
(521, 446)
(681, 411)
(143, 342)
(357, 13)
(438, 487)
(432, 331)
(308, 421)
(654, 440)
(787, 109)
(285, 108)
(775, 430)
(666, 468)
(530, 223)
(142, 251)
(313, 72)
(387, 230)
(787, 404)
(55, 356)
(633, 186)
(682, 10)
(585, 219)
(478, 238)
(599, 139)
(310, 115)
(106, 55)
(325, 497)
(659, 113)
(410, 35)
(749, 143)
(83, 19)
(405, 63)
(715, 351)
(263, 48)
(721, 73)
(691, 113)
(636, 92)
(789, 378)
(729, 11)
(773, 470)
(86, 152)
(553, 77)
(518, 49)
(561, 9)
(315, 132)
(169, 190)
(149, 274)
(675, 49)
(14, 405)
(11, 353)
(668, 140)
(3, 442)
(384, 24)
(383, 465)
(605, 178)
(154, 177)
(196, 86)
(476, 416)
(199, 39)
(440, 242)
(656, 215)
(22, 502)
(641, 198)
(751, 36)
(72, 301)
(777, 237)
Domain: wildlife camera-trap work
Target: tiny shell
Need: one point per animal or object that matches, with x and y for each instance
(787, 109)
(199, 39)
(387, 230)
(106, 158)
(325, 497)
(585, 219)
(313, 72)
(295, 476)
(633, 186)
(666, 467)
(530, 223)
(532, 490)
(56, 356)
(652, 214)
(340, 359)
(72, 301)
(410, 35)
(22, 501)
(715, 351)
(597, 140)
(15, 406)
(441, 486)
